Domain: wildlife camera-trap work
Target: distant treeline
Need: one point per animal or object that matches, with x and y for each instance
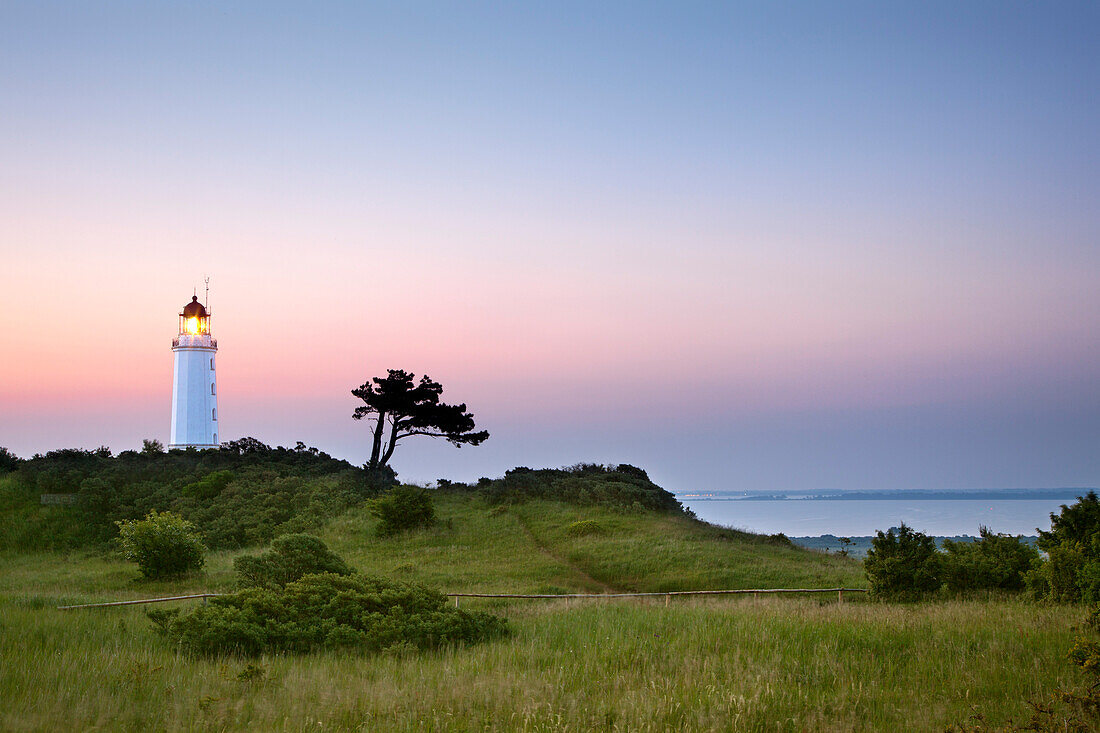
(246, 492)
(242, 494)
(858, 546)
(619, 485)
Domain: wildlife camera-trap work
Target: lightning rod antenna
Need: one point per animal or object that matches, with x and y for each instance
(207, 278)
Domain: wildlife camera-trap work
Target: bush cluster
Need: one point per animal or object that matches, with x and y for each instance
(209, 485)
(163, 544)
(243, 494)
(327, 611)
(994, 562)
(291, 557)
(620, 486)
(584, 528)
(1072, 572)
(904, 564)
(403, 508)
(261, 505)
(8, 460)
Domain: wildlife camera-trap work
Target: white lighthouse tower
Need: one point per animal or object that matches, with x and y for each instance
(194, 388)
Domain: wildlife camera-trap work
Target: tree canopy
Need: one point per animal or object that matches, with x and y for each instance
(402, 407)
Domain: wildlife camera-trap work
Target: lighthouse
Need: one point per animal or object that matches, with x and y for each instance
(194, 388)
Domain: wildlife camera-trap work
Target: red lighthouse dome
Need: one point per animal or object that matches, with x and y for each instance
(194, 318)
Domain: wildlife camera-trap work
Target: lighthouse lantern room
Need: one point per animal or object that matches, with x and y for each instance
(194, 387)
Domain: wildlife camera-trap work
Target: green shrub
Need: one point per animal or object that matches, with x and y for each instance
(403, 508)
(8, 460)
(162, 544)
(584, 527)
(994, 562)
(378, 480)
(1072, 570)
(327, 611)
(209, 485)
(622, 486)
(902, 565)
(291, 556)
(261, 504)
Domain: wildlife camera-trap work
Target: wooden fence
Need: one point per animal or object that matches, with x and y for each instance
(545, 596)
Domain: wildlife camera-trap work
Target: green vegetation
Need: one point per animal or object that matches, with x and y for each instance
(903, 564)
(781, 663)
(786, 664)
(291, 557)
(1073, 544)
(1075, 707)
(209, 486)
(585, 527)
(8, 460)
(403, 508)
(327, 611)
(588, 484)
(239, 496)
(162, 545)
(994, 562)
(152, 445)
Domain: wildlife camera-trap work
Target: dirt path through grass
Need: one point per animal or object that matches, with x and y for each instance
(545, 550)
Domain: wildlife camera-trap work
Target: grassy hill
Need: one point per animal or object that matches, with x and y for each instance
(736, 663)
(527, 548)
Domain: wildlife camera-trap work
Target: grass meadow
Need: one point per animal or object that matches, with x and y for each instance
(729, 663)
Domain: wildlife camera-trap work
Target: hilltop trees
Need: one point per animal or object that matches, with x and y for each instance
(1073, 545)
(8, 460)
(401, 408)
(151, 446)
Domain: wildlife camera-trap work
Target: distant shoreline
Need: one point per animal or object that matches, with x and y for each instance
(1060, 494)
(859, 545)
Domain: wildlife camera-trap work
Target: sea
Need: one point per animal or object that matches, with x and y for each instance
(1016, 512)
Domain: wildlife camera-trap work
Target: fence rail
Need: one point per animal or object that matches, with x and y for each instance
(658, 593)
(143, 600)
(560, 596)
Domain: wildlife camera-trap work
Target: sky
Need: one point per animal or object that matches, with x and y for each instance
(742, 245)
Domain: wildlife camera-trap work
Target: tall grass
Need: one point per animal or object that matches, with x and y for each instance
(773, 664)
(652, 552)
(528, 548)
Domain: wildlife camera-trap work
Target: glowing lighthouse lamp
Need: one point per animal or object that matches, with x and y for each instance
(194, 388)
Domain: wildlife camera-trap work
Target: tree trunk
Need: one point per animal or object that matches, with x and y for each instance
(392, 444)
(376, 450)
